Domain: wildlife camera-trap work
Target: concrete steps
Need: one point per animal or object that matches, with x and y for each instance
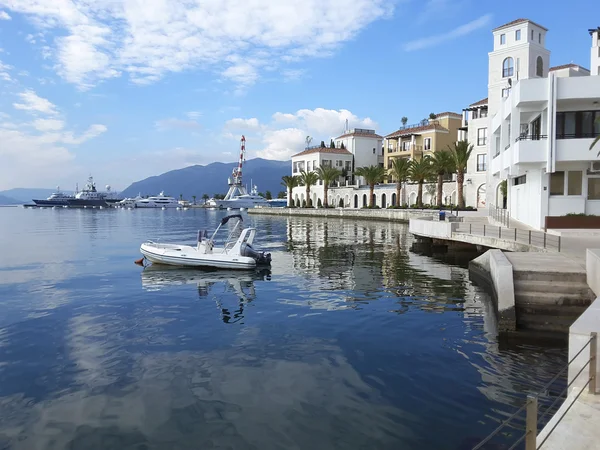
(550, 301)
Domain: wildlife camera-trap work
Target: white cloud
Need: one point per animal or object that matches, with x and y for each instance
(463, 30)
(4, 15)
(194, 115)
(48, 124)
(281, 143)
(32, 102)
(172, 123)
(147, 40)
(243, 124)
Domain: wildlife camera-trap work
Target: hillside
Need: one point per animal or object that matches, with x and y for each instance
(212, 179)
(25, 195)
(4, 200)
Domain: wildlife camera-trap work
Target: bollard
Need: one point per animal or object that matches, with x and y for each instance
(531, 423)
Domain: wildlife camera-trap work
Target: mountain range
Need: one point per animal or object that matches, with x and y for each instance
(196, 180)
(211, 179)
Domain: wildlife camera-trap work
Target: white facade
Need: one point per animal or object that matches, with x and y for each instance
(475, 131)
(595, 52)
(365, 145)
(540, 133)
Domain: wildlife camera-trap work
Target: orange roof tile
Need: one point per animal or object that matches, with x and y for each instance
(337, 151)
(567, 66)
(417, 130)
(449, 113)
(373, 135)
(517, 21)
(480, 102)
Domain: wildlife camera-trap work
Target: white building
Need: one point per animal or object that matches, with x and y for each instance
(541, 122)
(362, 147)
(365, 145)
(475, 131)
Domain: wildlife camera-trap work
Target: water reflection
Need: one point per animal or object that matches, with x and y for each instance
(220, 282)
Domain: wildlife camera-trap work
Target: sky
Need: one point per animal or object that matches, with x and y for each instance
(126, 89)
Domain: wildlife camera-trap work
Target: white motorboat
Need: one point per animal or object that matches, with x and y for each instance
(236, 253)
(158, 201)
(129, 202)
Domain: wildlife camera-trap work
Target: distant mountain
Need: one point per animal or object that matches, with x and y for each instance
(212, 179)
(25, 195)
(4, 200)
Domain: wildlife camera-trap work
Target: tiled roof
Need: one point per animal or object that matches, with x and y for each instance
(371, 135)
(480, 102)
(518, 21)
(338, 151)
(567, 66)
(448, 113)
(416, 130)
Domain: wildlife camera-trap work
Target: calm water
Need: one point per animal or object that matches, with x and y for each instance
(350, 341)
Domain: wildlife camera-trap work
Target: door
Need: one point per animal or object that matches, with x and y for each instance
(536, 128)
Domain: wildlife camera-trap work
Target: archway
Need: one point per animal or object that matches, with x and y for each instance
(356, 200)
(337, 201)
(365, 200)
(412, 198)
(500, 197)
(314, 202)
(383, 201)
(481, 190)
(346, 201)
(453, 198)
(394, 199)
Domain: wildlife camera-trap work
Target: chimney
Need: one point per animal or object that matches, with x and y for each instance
(595, 52)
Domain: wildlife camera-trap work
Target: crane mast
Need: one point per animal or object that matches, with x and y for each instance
(237, 171)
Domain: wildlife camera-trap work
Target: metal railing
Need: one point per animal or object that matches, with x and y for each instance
(529, 237)
(531, 137)
(531, 404)
(500, 215)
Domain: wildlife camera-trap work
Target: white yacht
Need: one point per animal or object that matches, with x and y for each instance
(158, 201)
(237, 198)
(129, 202)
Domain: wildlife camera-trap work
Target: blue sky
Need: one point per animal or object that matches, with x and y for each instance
(123, 90)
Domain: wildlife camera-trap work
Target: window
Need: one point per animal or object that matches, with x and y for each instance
(505, 92)
(557, 183)
(481, 162)
(539, 67)
(339, 163)
(348, 165)
(482, 136)
(374, 150)
(540, 38)
(577, 124)
(406, 146)
(502, 39)
(295, 165)
(427, 143)
(574, 182)
(326, 163)
(519, 180)
(507, 67)
(593, 188)
(518, 35)
(532, 35)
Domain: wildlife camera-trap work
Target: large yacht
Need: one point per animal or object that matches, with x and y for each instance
(89, 196)
(57, 198)
(158, 201)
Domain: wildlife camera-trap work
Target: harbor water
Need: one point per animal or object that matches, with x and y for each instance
(350, 340)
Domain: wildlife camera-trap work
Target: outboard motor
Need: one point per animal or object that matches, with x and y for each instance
(259, 256)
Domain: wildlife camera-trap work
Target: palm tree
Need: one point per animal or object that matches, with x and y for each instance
(399, 171)
(595, 141)
(419, 171)
(442, 163)
(372, 175)
(290, 182)
(308, 179)
(327, 175)
(194, 198)
(461, 152)
(404, 120)
(205, 197)
(432, 116)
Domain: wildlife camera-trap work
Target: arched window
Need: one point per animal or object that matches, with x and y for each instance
(539, 67)
(507, 67)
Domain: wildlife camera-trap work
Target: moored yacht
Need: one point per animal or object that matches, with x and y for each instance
(57, 198)
(159, 201)
(90, 196)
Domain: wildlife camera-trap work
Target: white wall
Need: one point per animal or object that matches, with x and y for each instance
(526, 199)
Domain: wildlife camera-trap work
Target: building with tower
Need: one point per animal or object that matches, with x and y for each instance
(541, 123)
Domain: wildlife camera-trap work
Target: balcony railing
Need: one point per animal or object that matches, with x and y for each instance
(531, 137)
(578, 135)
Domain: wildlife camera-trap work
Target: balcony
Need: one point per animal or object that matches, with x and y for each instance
(530, 149)
(574, 149)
